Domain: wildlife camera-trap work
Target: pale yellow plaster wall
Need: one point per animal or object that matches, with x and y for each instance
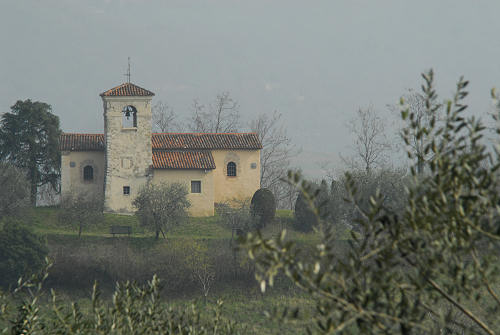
(202, 204)
(72, 177)
(247, 179)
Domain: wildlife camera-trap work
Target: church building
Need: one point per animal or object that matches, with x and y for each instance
(215, 167)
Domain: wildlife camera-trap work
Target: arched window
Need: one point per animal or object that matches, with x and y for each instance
(231, 169)
(88, 173)
(129, 118)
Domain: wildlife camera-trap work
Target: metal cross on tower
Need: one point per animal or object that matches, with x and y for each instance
(128, 71)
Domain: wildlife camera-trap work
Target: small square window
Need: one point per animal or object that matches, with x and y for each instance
(253, 165)
(126, 190)
(72, 164)
(195, 186)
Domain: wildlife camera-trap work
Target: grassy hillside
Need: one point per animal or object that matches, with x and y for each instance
(96, 255)
(45, 220)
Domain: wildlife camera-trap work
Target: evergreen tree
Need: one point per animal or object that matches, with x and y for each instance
(29, 139)
(263, 207)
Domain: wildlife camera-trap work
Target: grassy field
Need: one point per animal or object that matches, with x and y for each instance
(97, 251)
(45, 221)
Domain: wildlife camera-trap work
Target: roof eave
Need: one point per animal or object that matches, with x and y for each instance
(192, 168)
(125, 97)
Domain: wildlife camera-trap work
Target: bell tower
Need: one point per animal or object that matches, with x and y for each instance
(127, 136)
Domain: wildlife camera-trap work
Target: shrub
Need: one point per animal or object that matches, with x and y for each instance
(305, 216)
(305, 219)
(21, 252)
(263, 207)
(387, 181)
(78, 263)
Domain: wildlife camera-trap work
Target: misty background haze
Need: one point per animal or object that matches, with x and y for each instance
(316, 62)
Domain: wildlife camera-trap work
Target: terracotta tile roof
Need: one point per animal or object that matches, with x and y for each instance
(172, 151)
(199, 141)
(127, 90)
(188, 159)
(81, 142)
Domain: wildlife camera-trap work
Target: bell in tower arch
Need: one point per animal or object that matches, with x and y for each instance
(127, 112)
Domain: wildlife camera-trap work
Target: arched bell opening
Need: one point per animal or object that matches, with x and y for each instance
(129, 117)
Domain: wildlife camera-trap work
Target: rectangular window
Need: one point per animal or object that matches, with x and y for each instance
(195, 186)
(88, 173)
(126, 190)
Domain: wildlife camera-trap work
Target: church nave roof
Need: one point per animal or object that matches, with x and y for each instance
(222, 141)
(81, 142)
(169, 141)
(186, 159)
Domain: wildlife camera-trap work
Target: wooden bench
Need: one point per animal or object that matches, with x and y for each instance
(120, 230)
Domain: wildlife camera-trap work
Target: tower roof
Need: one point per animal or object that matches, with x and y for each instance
(127, 90)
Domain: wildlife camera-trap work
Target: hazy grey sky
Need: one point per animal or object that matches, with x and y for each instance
(314, 61)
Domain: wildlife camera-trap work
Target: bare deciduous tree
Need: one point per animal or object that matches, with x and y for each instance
(15, 194)
(371, 144)
(277, 150)
(235, 214)
(288, 195)
(161, 206)
(220, 116)
(81, 210)
(200, 265)
(164, 118)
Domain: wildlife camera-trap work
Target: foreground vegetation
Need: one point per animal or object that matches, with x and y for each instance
(240, 311)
